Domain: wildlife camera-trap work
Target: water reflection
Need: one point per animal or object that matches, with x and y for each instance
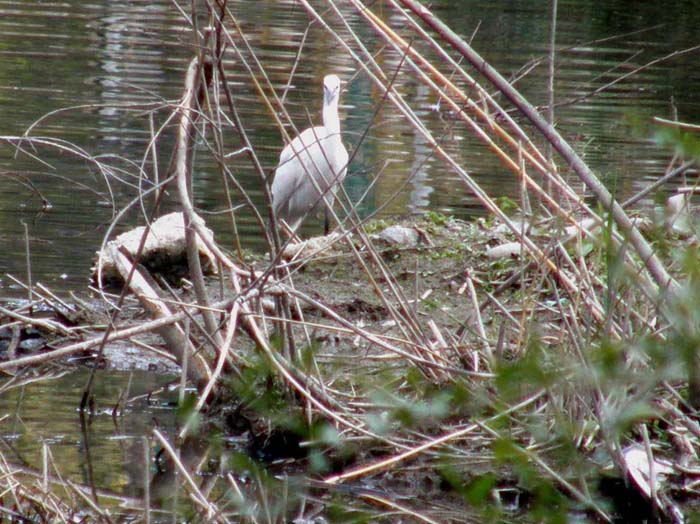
(419, 200)
(122, 64)
(108, 451)
(122, 61)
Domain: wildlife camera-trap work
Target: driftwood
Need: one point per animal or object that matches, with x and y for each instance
(175, 338)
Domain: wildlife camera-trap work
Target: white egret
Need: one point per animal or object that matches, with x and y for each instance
(312, 166)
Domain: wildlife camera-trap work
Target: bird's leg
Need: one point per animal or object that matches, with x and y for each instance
(326, 221)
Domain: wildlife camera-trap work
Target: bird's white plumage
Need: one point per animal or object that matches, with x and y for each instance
(312, 166)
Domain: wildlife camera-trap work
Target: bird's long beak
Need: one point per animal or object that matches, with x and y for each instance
(329, 95)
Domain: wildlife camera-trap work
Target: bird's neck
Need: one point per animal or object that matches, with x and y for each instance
(331, 120)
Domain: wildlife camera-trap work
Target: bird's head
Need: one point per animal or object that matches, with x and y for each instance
(331, 89)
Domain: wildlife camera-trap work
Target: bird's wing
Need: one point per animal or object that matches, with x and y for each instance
(302, 142)
(284, 185)
(343, 158)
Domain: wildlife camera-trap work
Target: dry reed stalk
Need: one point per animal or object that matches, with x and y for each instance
(405, 47)
(576, 493)
(197, 80)
(431, 443)
(115, 334)
(481, 330)
(664, 281)
(458, 101)
(518, 167)
(223, 352)
(24, 500)
(549, 172)
(213, 513)
(49, 325)
(405, 320)
(563, 276)
(399, 508)
(320, 402)
(177, 342)
(28, 261)
(247, 145)
(415, 355)
(159, 191)
(273, 239)
(550, 72)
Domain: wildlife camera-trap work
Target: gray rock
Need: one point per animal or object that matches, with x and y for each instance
(400, 236)
(165, 242)
(507, 250)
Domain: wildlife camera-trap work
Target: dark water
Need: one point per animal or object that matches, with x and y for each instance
(99, 75)
(106, 449)
(115, 63)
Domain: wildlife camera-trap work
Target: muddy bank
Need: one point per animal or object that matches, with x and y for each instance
(423, 363)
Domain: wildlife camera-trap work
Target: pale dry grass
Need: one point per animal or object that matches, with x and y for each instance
(525, 374)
